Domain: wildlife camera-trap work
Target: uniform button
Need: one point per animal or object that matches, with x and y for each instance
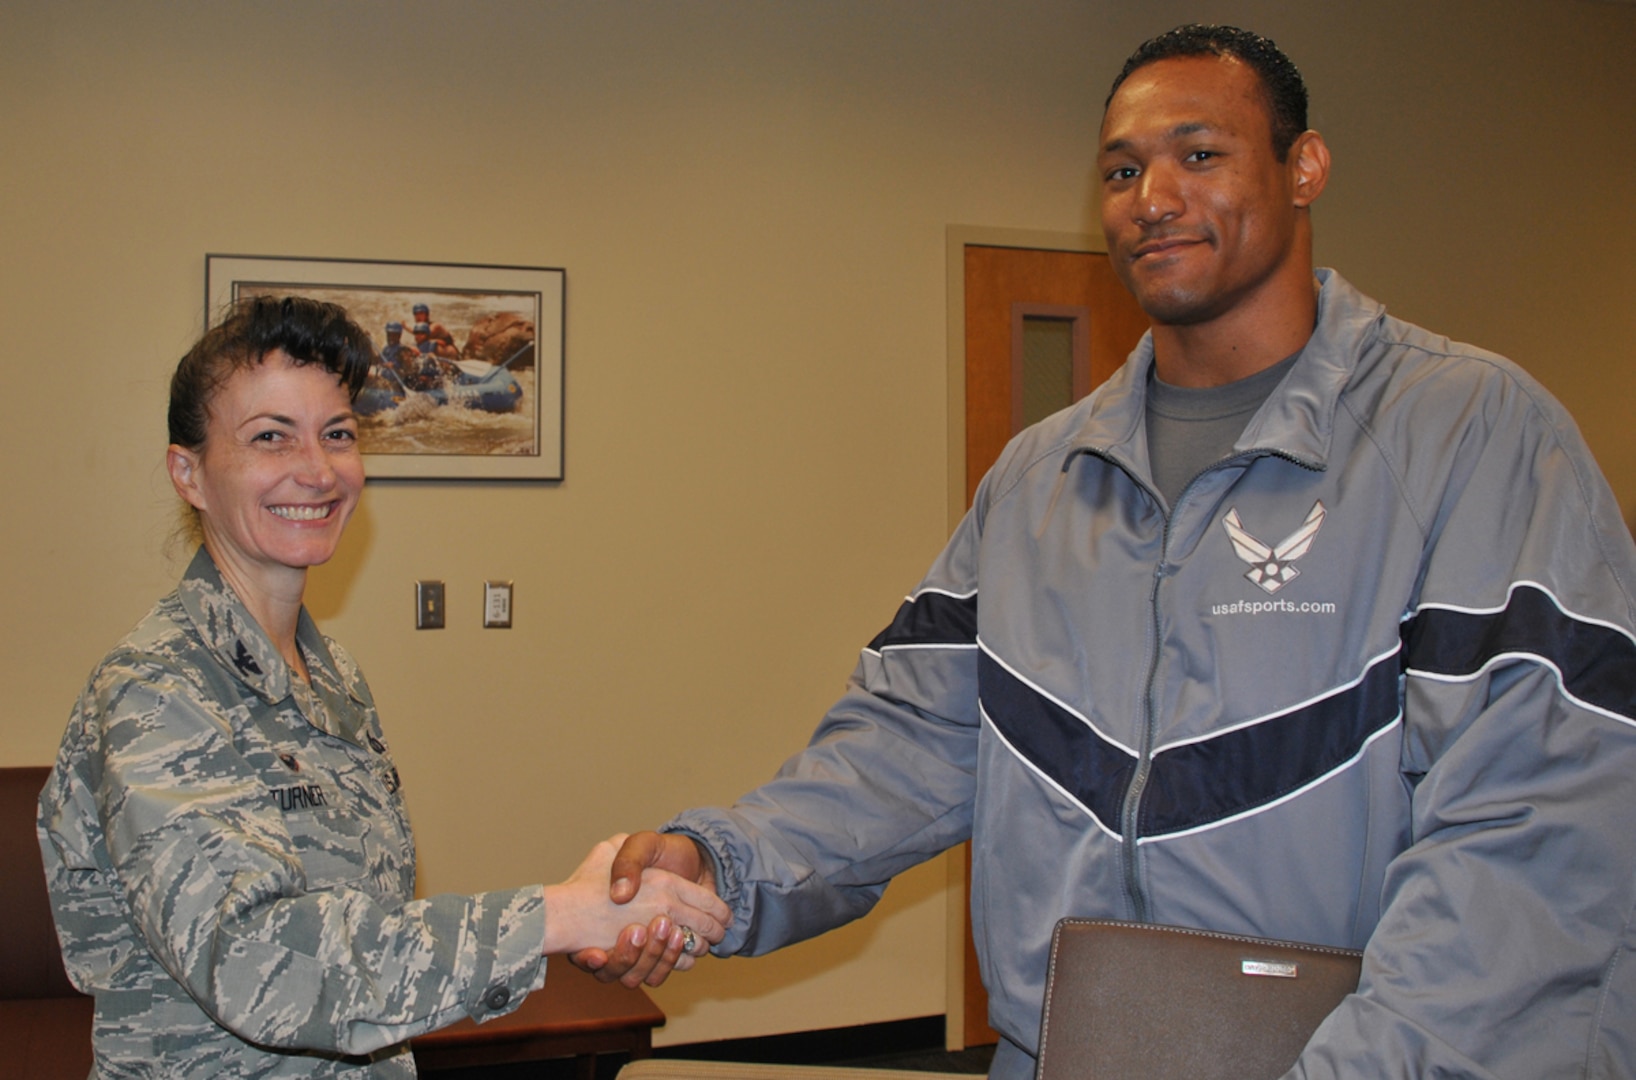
(497, 998)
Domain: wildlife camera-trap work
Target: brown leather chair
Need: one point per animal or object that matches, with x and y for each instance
(45, 1024)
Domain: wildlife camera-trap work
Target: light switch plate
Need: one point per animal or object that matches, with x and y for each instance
(428, 605)
(497, 604)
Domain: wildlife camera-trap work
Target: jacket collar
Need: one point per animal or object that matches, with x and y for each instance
(238, 642)
(1296, 421)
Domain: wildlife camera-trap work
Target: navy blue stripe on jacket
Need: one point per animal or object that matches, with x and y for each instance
(1208, 781)
(1199, 783)
(1595, 663)
(1060, 744)
(930, 618)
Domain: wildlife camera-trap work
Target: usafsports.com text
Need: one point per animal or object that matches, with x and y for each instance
(1273, 607)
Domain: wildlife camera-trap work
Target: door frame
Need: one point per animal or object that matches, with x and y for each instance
(956, 239)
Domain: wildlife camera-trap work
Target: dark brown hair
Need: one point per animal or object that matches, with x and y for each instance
(308, 331)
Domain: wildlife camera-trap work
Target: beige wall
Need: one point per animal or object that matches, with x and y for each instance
(750, 199)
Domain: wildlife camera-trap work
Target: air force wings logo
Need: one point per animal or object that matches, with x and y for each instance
(1274, 567)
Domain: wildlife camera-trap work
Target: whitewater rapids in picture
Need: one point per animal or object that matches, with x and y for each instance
(419, 424)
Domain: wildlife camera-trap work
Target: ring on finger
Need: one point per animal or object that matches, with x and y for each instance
(690, 940)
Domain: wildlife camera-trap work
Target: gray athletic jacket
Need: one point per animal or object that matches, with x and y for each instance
(1371, 682)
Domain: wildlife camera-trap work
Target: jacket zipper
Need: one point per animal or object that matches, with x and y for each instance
(1130, 811)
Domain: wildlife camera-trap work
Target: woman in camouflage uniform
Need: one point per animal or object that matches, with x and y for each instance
(229, 858)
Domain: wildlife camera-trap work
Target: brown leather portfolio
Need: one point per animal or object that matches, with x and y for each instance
(1132, 1001)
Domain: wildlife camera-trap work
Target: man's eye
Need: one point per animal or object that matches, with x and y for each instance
(1123, 172)
(1202, 155)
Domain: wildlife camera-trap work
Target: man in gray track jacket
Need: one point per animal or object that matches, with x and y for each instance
(1308, 624)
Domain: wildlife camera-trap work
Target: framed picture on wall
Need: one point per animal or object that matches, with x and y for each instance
(468, 372)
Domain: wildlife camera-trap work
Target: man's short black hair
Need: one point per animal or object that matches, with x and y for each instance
(1286, 92)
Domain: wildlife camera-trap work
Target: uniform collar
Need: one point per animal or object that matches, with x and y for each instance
(1296, 421)
(232, 634)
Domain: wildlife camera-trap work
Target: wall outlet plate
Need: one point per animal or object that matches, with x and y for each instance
(497, 604)
(428, 605)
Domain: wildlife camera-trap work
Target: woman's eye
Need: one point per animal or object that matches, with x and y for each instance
(341, 435)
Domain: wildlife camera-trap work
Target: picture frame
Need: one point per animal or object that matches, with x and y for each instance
(477, 395)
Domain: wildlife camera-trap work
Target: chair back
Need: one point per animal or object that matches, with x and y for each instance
(30, 958)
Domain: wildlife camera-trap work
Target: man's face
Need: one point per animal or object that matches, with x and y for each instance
(1198, 212)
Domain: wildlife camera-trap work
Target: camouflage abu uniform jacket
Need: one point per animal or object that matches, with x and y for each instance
(231, 866)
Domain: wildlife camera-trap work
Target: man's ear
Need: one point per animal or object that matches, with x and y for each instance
(1308, 161)
(183, 466)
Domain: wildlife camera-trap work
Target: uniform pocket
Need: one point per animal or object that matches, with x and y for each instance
(333, 846)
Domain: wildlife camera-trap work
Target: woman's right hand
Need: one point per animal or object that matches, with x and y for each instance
(580, 916)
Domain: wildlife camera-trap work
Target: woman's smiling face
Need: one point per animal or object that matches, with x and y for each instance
(279, 473)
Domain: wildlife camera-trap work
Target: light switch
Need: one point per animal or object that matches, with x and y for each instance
(497, 604)
(428, 605)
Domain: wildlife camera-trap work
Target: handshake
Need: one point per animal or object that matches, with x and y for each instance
(638, 907)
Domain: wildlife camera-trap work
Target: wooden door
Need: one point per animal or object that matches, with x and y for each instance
(1043, 328)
